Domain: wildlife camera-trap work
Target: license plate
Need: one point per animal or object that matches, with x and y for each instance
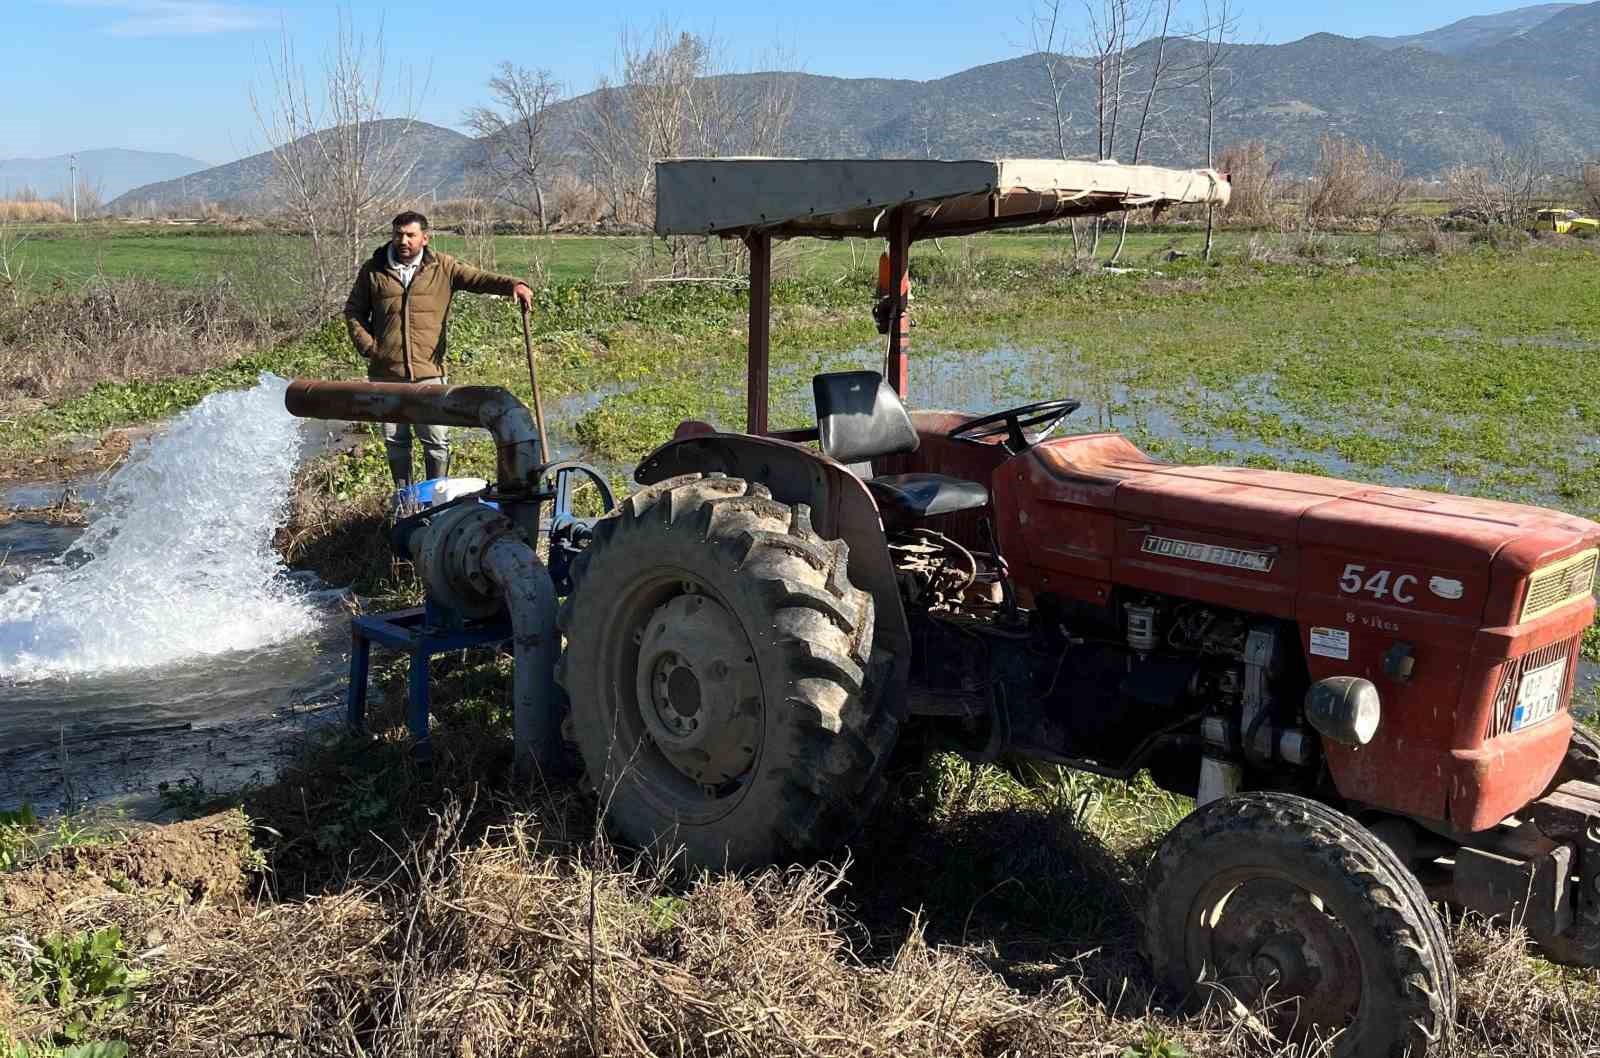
(1539, 695)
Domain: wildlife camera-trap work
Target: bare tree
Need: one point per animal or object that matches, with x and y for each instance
(610, 148)
(1117, 30)
(341, 165)
(14, 269)
(1253, 179)
(675, 93)
(1591, 185)
(1217, 80)
(516, 130)
(91, 195)
(1353, 179)
(1048, 35)
(640, 113)
(1503, 189)
(478, 219)
(1159, 69)
(1112, 27)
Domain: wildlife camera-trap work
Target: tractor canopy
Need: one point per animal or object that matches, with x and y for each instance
(851, 196)
(898, 200)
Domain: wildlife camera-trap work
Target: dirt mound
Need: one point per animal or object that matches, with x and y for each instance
(203, 859)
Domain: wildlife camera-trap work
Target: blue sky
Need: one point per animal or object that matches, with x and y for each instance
(174, 75)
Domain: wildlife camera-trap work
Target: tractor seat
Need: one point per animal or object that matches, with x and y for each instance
(860, 419)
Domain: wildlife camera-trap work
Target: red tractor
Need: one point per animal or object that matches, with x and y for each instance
(1365, 688)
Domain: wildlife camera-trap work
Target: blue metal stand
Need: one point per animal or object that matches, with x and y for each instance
(422, 632)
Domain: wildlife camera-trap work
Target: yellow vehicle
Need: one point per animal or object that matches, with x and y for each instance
(1564, 221)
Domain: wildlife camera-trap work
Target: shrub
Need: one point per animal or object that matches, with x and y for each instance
(1353, 179)
(118, 330)
(1254, 180)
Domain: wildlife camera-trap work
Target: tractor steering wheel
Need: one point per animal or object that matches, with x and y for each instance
(1011, 423)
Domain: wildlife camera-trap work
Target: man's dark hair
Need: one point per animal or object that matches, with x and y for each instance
(411, 216)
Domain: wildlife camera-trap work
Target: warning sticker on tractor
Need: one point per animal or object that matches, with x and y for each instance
(1331, 643)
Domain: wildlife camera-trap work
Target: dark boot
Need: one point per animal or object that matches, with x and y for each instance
(400, 469)
(437, 465)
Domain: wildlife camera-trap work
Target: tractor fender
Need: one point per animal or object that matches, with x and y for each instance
(841, 509)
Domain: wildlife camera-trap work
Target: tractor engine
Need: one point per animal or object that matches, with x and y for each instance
(1197, 693)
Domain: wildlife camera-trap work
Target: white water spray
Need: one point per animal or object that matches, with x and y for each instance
(178, 562)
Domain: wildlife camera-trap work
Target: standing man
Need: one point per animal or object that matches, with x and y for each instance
(397, 315)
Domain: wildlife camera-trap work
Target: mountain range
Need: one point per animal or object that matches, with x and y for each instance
(1527, 77)
(1469, 34)
(110, 172)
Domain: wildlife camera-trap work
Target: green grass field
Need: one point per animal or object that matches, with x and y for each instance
(1473, 370)
(57, 254)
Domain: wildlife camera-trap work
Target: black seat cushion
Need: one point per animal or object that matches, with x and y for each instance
(924, 495)
(860, 418)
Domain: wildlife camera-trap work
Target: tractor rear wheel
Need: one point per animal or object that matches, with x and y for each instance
(715, 668)
(1307, 920)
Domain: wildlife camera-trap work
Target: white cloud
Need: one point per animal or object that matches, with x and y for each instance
(167, 18)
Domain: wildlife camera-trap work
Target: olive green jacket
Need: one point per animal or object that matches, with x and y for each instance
(399, 329)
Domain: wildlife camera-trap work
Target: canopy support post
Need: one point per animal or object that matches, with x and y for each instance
(756, 386)
(895, 363)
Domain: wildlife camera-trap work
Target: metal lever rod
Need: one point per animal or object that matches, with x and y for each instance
(533, 378)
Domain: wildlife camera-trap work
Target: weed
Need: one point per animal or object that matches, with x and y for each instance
(25, 837)
(365, 802)
(90, 1049)
(667, 911)
(18, 834)
(1156, 1044)
(190, 798)
(83, 978)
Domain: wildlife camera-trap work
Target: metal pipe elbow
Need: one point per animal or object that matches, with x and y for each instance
(531, 599)
(516, 434)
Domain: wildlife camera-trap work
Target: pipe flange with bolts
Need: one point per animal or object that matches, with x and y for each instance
(449, 555)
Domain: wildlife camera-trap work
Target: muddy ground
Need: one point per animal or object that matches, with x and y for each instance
(201, 860)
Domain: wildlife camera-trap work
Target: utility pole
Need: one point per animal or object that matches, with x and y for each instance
(72, 167)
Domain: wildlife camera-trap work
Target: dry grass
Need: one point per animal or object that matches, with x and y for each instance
(330, 531)
(530, 936)
(29, 211)
(65, 342)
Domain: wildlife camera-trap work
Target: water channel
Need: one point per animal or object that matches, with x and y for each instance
(165, 640)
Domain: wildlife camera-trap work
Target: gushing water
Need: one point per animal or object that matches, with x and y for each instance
(178, 563)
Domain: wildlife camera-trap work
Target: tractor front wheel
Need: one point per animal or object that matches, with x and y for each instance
(715, 669)
(1582, 759)
(1580, 944)
(1300, 915)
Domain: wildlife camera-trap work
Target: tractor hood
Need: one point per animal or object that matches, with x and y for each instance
(1490, 545)
(1424, 527)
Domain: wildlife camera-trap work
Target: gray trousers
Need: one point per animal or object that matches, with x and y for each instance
(435, 441)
